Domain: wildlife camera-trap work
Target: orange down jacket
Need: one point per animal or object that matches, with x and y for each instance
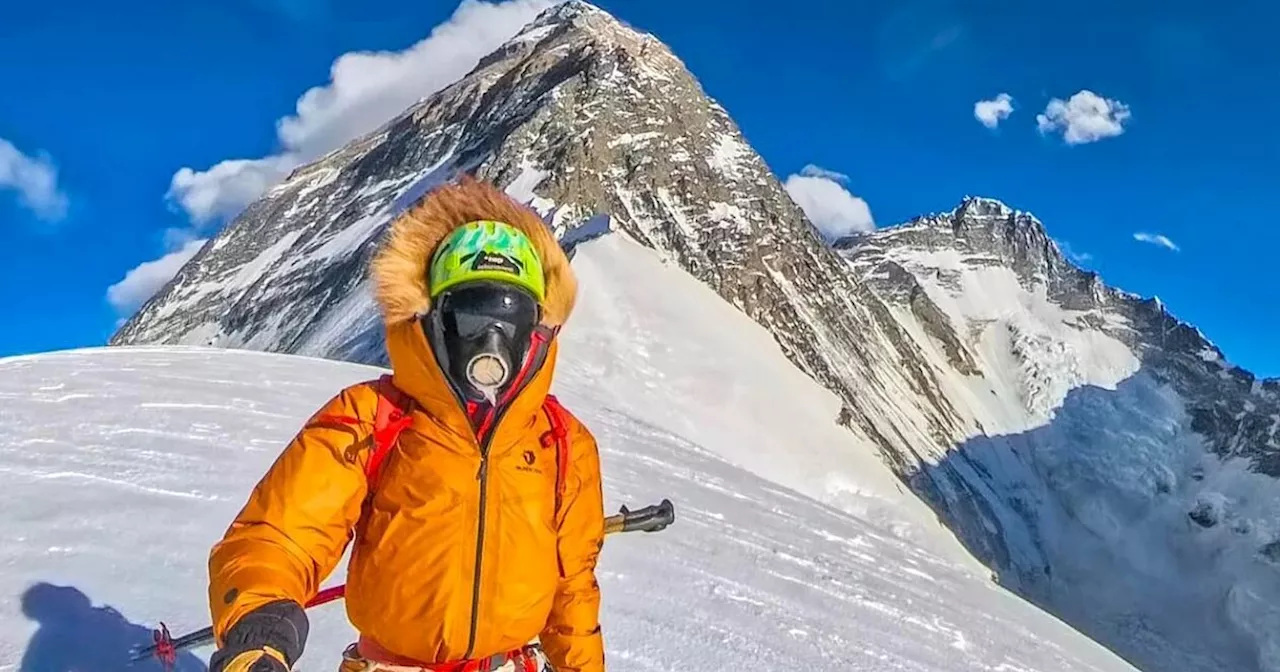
(457, 554)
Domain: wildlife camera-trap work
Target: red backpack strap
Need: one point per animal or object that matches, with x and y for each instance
(394, 415)
(559, 435)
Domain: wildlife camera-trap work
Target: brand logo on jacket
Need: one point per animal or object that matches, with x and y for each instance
(530, 459)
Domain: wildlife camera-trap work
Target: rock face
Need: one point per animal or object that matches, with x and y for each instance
(1065, 430)
(1228, 405)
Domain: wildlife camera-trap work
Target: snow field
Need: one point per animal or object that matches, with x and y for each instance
(133, 481)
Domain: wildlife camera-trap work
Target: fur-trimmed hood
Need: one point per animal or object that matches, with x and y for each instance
(400, 268)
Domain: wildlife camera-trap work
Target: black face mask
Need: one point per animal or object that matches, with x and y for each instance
(481, 333)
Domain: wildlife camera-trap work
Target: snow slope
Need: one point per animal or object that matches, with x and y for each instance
(124, 465)
(650, 340)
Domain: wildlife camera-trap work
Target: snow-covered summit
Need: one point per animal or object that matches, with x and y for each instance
(570, 10)
(988, 205)
(584, 14)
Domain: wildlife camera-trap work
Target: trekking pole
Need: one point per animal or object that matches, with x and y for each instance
(166, 647)
(649, 519)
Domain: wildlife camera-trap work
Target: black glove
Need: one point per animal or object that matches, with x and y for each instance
(267, 639)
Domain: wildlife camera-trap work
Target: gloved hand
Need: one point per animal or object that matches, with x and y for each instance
(265, 659)
(267, 639)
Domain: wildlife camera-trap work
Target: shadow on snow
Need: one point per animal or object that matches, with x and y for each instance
(76, 636)
(1108, 482)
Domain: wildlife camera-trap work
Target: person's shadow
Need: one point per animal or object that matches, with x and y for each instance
(75, 636)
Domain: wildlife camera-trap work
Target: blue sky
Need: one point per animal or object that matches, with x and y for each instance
(105, 102)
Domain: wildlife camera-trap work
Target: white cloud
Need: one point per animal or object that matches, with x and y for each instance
(827, 204)
(144, 280)
(1085, 117)
(1157, 239)
(35, 179)
(991, 112)
(365, 90)
(225, 189)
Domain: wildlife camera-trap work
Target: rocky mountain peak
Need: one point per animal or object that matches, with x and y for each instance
(983, 231)
(940, 257)
(579, 15)
(983, 206)
(572, 10)
(994, 222)
(577, 22)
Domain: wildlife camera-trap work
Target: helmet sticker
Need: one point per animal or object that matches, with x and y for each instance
(490, 261)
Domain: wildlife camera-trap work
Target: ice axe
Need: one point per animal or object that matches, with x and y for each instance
(166, 647)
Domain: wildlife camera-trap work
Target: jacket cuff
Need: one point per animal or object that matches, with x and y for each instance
(574, 652)
(282, 625)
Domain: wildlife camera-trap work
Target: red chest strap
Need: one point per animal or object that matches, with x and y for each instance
(392, 418)
(559, 436)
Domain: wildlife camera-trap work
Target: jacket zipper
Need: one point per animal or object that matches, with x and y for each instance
(488, 429)
(483, 476)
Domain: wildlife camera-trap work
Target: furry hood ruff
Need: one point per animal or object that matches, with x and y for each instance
(400, 268)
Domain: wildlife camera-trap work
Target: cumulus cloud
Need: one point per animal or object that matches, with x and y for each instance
(828, 204)
(365, 90)
(145, 279)
(1083, 118)
(1157, 239)
(35, 179)
(225, 189)
(992, 112)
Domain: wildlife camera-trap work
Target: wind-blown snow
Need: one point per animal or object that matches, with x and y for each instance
(124, 465)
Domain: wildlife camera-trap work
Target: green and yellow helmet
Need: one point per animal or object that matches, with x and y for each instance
(486, 250)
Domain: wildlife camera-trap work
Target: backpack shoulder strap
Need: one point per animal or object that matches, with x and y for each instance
(394, 415)
(557, 418)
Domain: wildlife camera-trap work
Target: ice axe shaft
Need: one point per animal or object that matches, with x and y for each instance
(648, 519)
